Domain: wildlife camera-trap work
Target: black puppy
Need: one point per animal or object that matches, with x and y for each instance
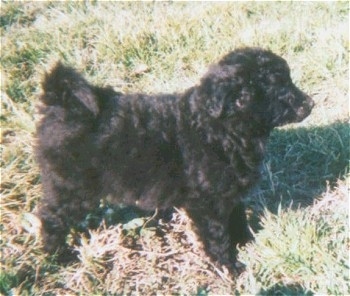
(200, 150)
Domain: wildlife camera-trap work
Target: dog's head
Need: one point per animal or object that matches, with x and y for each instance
(254, 84)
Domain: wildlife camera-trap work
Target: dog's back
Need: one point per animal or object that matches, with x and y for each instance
(96, 136)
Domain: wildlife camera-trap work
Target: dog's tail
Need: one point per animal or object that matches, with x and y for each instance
(64, 87)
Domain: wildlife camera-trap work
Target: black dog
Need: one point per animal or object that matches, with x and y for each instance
(200, 150)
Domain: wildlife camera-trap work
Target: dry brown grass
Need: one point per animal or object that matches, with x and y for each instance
(166, 257)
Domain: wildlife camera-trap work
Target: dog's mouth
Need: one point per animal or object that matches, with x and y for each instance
(304, 111)
(294, 113)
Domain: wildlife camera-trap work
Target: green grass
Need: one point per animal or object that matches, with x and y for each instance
(301, 251)
(299, 211)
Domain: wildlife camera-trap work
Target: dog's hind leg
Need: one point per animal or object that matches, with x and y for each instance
(61, 209)
(54, 229)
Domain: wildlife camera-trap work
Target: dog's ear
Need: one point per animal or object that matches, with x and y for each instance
(226, 89)
(65, 87)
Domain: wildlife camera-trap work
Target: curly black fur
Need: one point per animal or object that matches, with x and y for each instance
(200, 150)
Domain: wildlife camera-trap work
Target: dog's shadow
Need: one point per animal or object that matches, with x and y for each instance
(280, 290)
(299, 165)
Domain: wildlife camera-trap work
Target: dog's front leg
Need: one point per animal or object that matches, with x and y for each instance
(238, 226)
(213, 231)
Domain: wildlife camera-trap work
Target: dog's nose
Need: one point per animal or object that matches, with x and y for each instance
(310, 102)
(306, 107)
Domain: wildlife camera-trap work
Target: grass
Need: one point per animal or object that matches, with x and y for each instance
(299, 211)
(310, 254)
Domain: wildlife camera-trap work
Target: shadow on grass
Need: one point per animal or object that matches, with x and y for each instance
(288, 290)
(300, 163)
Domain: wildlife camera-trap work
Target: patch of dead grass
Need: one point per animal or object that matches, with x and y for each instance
(168, 258)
